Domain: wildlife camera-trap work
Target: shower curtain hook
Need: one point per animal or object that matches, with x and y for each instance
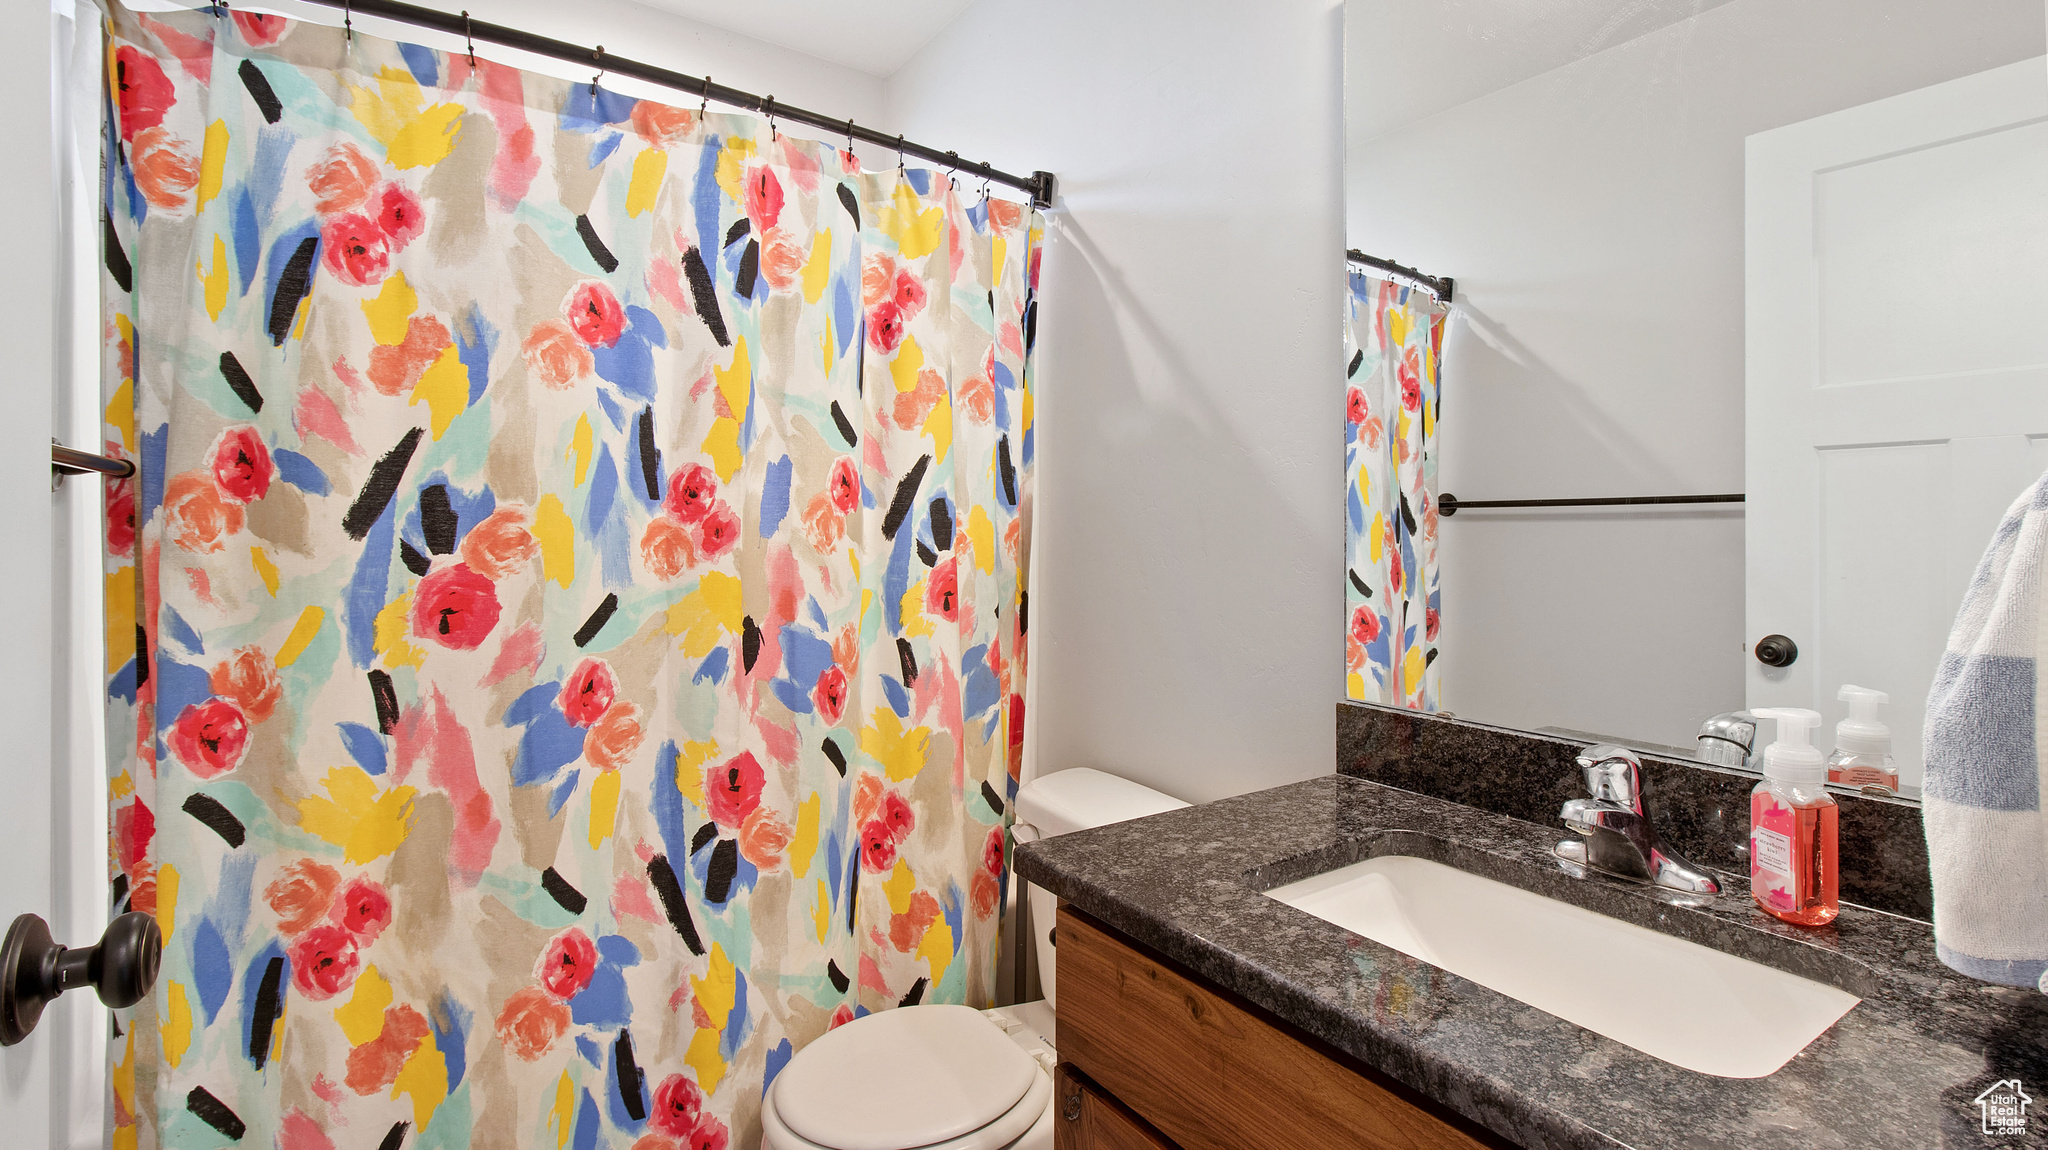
(899, 155)
(849, 136)
(348, 22)
(704, 105)
(984, 182)
(467, 38)
(600, 71)
(768, 106)
(952, 168)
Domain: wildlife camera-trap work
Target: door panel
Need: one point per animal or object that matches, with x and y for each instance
(1912, 246)
(1876, 507)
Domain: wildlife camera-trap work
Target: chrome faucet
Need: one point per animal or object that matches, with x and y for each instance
(1729, 740)
(1618, 837)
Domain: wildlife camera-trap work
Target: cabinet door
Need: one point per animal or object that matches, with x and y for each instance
(1214, 1072)
(1092, 1120)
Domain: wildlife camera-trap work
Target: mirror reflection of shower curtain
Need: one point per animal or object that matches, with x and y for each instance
(1393, 337)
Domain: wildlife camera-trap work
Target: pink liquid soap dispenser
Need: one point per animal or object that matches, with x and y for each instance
(1794, 826)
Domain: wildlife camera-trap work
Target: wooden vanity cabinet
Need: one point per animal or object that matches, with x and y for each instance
(1154, 1057)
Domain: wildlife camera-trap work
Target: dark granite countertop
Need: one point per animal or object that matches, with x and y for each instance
(1900, 1069)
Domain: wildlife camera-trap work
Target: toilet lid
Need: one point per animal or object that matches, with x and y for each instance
(906, 1077)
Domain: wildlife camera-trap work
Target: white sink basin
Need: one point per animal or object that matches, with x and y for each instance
(1687, 1004)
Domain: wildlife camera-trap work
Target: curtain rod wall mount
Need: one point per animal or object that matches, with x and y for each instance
(1442, 286)
(1040, 185)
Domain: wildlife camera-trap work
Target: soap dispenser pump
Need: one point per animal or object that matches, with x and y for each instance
(1794, 826)
(1863, 745)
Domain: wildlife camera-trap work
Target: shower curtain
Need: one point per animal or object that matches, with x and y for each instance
(566, 637)
(1393, 335)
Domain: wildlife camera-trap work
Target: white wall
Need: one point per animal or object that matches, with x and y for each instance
(1187, 616)
(1592, 217)
(643, 34)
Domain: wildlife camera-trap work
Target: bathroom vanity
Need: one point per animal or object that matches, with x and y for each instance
(1197, 1010)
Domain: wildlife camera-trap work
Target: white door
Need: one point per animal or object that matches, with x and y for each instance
(53, 852)
(1897, 382)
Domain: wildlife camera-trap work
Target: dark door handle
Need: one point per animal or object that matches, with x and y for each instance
(34, 969)
(1776, 651)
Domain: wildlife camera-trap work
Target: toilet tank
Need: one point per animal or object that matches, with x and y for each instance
(1067, 801)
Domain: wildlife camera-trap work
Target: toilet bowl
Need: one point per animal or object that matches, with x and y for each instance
(945, 1077)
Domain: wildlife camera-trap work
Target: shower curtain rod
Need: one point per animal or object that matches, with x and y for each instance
(1441, 286)
(1040, 185)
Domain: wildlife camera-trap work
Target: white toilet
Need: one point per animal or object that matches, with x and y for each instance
(951, 1077)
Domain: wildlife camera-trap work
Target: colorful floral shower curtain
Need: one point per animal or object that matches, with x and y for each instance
(1393, 335)
(567, 633)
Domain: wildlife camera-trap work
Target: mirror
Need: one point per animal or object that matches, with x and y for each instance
(1793, 252)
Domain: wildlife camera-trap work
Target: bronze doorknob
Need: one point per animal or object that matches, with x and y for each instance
(34, 968)
(1776, 651)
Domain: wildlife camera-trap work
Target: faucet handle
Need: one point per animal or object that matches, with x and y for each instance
(1613, 774)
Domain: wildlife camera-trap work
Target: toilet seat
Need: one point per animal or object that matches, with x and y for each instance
(937, 1077)
(1034, 1109)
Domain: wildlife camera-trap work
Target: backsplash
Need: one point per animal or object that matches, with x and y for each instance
(1703, 810)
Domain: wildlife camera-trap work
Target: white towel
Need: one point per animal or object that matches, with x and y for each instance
(1987, 762)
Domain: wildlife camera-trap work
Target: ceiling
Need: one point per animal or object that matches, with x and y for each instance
(1406, 61)
(872, 36)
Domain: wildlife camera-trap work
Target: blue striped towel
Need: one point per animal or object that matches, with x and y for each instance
(1987, 837)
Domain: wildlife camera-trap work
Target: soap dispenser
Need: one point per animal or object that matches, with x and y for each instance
(1863, 745)
(1794, 826)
